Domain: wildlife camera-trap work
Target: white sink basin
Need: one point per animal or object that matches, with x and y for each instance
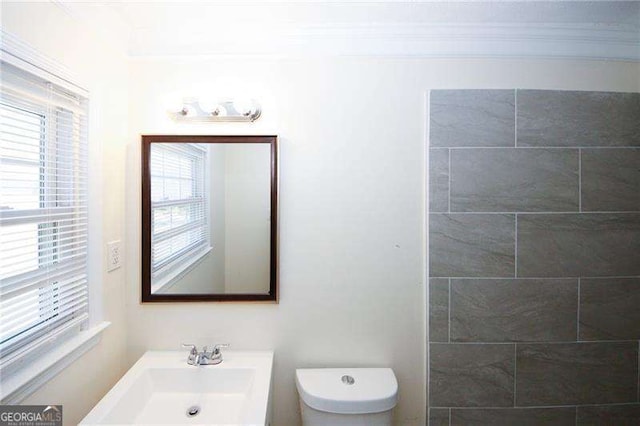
(161, 387)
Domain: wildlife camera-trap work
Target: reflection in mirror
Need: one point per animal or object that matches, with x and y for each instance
(211, 202)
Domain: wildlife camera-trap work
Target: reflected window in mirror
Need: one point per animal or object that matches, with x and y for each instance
(179, 211)
(209, 218)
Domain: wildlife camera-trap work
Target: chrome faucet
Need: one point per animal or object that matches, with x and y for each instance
(205, 358)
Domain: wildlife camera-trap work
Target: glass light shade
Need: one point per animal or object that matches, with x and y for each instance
(209, 104)
(173, 103)
(243, 106)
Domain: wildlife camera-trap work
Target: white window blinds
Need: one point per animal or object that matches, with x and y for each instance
(178, 205)
(43, 212)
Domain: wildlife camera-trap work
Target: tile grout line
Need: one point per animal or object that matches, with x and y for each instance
(534, 407)
(568, 147)
(449, 313)
(578, 314)
(579, 179)
(425, 243)
(535, 342)
(534, 213)
(449, 416)
(449, 183)
(515, 120)
(515, 249)
(602, 277)
(515, 374)
(576, 414)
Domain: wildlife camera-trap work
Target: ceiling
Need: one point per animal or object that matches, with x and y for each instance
(593, 30)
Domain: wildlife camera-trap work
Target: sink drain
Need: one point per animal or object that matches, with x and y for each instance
(193, 411)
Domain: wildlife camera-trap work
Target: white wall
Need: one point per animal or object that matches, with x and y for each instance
(217, 213)
(352, 173)
(248, 213)
(102, 68)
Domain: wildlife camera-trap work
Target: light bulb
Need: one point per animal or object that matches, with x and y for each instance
(173, 103)
(208, 104)
(243, 106)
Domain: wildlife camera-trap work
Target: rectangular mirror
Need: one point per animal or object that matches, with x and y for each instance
(209, 218)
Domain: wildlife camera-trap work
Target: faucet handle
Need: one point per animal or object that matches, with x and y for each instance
(217, 347)
(192, 359)
(194, 348)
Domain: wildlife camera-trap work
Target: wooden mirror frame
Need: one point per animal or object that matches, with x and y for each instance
(147, 296)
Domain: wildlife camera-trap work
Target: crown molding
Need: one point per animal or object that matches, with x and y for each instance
(592, 42)
(573, 30)
(100, 19)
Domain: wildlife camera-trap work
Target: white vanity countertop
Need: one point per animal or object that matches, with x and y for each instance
(161, 387)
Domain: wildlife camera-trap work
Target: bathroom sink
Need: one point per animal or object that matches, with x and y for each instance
(162, 389)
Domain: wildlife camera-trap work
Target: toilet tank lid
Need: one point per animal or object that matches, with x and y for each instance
(372, 390)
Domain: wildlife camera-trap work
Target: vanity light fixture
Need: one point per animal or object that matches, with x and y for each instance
(199, 110)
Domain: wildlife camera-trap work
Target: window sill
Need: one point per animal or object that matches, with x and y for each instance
(179, 269)
(23, 383)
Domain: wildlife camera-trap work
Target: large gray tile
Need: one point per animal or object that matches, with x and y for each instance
(514, 310)
(471, 245)
(572, 245)
(610, 309)
(438, 310)
(438, 417)
(472, 118)
(514, 180)
(563, 118)
(439, 180)
(576, 373)
(611, 179)
(563, 416)
(468, 375)
(614, 415)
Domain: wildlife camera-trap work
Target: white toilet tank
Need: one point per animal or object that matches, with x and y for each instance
(347, 396)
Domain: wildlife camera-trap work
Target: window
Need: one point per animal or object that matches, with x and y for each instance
(43, 214)
(179, 230)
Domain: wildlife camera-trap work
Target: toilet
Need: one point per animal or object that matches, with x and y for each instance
(347, 396)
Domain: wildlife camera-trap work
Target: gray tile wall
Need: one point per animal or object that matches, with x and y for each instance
(534, 258)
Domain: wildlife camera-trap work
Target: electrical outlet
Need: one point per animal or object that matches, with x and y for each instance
(114, 260)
